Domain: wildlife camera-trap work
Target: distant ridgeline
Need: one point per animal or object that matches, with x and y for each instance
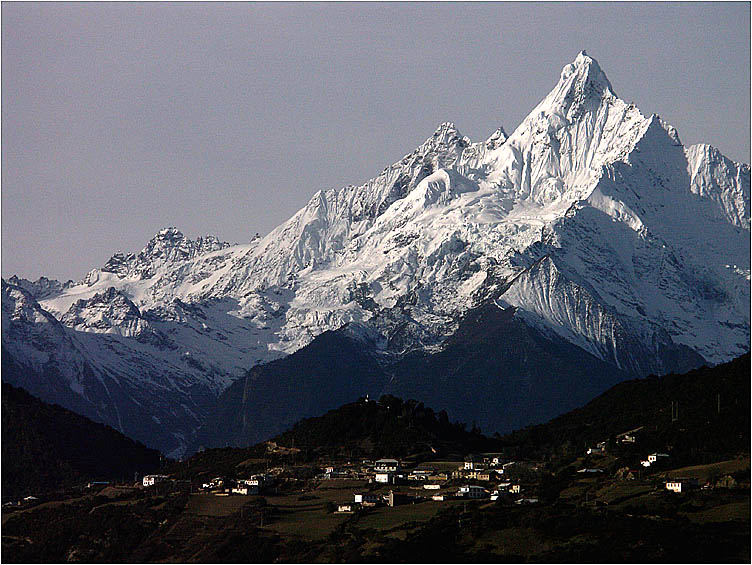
(46, 447)
(703, 415)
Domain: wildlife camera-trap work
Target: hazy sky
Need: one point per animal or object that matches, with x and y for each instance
(120, 119)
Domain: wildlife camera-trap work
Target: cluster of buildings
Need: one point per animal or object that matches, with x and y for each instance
(254, 484)
(24, 501)
(427, 483)
(390, 472)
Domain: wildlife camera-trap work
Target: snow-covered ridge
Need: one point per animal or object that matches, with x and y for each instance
(591, 218)
(440, 215)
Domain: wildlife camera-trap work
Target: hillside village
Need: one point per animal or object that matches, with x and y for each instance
(394, 481)
(390, 482)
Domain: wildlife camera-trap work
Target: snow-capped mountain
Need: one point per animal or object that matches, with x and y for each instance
(591, 219)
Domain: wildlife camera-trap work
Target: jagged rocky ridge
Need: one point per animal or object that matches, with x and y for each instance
(592, 220)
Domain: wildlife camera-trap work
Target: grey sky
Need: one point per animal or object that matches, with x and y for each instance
(120, 119)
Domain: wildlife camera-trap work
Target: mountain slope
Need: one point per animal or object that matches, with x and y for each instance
(591, 219)
(496, 369)
(46, 447)
(713, 411)
(330, 371)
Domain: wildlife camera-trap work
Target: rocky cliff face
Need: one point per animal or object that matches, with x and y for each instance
(592, 220)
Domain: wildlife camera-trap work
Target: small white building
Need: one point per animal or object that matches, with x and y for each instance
(432, 486)
(655, 457)
(386, 478)
(682, 485)
(245, 490)
(472, 491)
(216, 482)
(386, 465)
(347, 507)
(367, 498)
(473, 463)
(515, 489)
(151, 480)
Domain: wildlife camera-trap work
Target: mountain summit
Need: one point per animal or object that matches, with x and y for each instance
(591, 221)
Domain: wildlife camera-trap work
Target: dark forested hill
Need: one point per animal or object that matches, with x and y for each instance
(389, 427)
(46, 447)
(711, 414)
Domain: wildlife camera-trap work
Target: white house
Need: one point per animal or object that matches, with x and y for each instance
(432, 486)
(257, 481)
(245, 489)
(216, 482)
(151, 480)
(385, 478)
(515, 489)
(347, 507)
(386, 465)
(472, 491)
(367, 498)
(681, 485)
(472, 462)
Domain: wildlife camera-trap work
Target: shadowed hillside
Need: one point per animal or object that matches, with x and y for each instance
(46, 447)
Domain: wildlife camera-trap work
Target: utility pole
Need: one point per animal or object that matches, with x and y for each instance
(718, 399)
(674, 411)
